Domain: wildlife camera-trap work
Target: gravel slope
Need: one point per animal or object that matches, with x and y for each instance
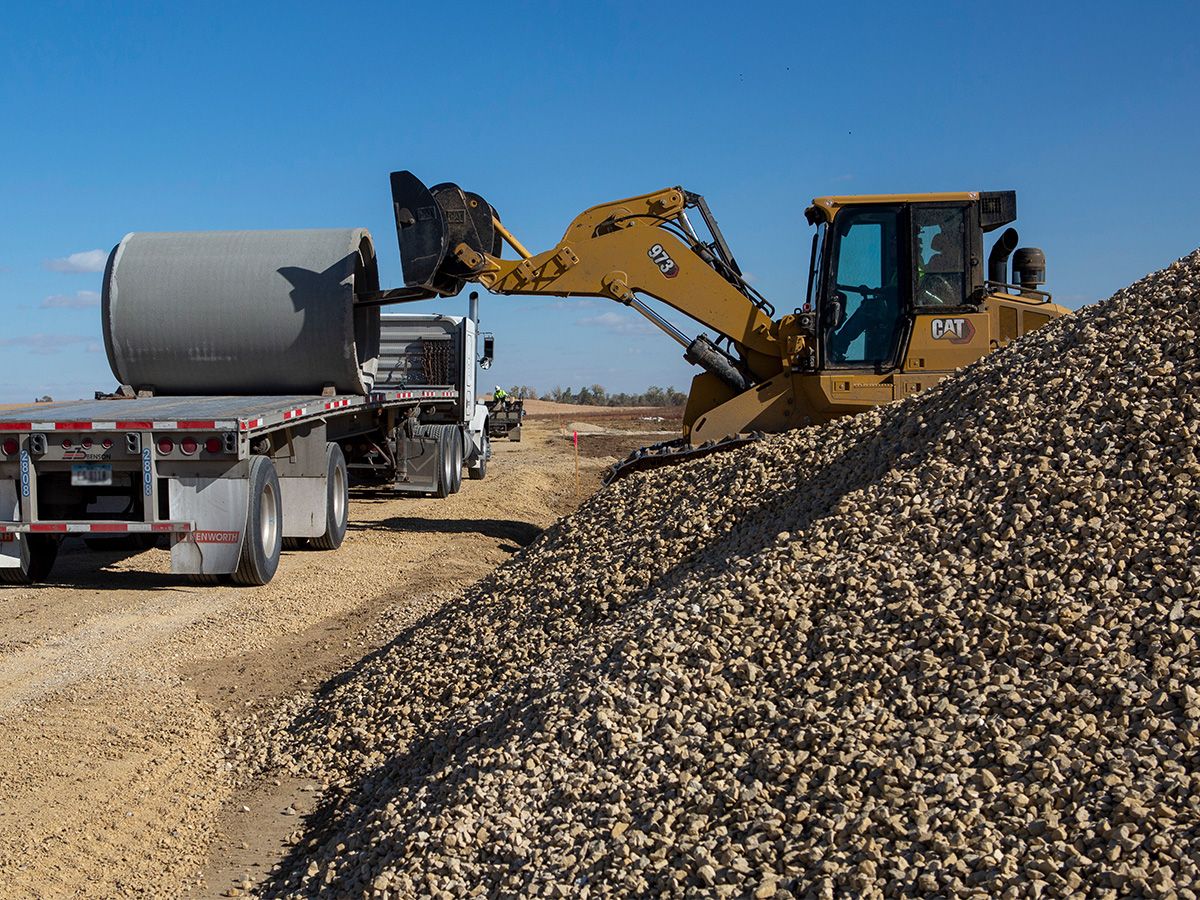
(948, 647)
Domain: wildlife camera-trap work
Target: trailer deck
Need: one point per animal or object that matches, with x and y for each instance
(230, 413)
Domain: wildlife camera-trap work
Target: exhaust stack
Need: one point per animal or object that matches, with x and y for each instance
(998, 258)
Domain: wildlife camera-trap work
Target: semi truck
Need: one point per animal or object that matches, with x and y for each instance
(258, 382)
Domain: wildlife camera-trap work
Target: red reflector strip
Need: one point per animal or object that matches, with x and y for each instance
(135, 426)
(16, 426)
(110, 527)
(293, 414)
(72, 426)
(197, 426)
(48, 526)
(247, 424)
(337, 404)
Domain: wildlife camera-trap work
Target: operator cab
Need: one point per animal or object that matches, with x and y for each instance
(877, 261)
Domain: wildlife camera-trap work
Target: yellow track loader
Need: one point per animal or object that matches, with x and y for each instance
(898, 294)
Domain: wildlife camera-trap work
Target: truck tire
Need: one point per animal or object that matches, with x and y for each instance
(445, 461)
(262, 539)
(454, 440)
(38, 553)
(478, 470)
(337, 504)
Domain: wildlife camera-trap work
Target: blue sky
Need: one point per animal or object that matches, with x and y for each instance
(208, 116)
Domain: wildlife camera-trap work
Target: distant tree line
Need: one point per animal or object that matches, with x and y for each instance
(596, 395)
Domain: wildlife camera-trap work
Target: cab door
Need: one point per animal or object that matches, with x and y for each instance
(864, 305)
(948, 330)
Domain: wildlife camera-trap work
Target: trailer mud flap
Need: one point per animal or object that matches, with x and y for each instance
(10, 511)
(217, 509)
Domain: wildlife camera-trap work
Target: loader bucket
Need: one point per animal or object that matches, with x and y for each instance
(431, 223)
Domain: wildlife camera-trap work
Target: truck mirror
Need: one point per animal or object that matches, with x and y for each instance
(489, 349)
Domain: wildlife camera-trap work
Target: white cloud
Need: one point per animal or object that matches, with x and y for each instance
(46, 343)
(78, 300)
(615, 323)
(85, 261)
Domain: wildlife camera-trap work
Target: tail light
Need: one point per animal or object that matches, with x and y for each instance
(10, 446)
(66, 443)
(189, 445)
(165, 445)
(213, 445)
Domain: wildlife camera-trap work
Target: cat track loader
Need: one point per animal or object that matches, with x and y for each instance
(898, 295)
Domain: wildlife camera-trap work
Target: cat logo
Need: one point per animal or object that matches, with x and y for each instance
(956, 331)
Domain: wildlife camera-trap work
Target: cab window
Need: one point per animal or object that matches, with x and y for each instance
(940, 242)
(862, 312)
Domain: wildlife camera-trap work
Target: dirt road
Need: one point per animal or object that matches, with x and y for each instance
(116, 680)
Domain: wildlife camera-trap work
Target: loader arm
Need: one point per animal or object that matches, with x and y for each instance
(615, 250)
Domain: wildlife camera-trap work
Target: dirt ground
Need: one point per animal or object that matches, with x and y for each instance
(117, 678)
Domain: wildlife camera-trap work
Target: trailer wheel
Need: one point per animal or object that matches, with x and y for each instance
(337, 505)
(478, 471)
(38, 553)
(263, 538)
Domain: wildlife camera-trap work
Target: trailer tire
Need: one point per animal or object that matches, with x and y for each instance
(478, 471)
(38, 553)
(337, 504)
(205, 580)
(295, 543)
(262, 539)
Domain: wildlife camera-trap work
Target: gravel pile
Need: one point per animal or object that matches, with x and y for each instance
(947, 647)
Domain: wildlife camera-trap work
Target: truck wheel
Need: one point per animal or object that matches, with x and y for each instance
(38, 553)
(337, 504)
(478, 471)
(263, 537)
(454, 439)
(445, 485)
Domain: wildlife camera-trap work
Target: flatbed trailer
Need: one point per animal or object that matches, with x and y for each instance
(226, 478)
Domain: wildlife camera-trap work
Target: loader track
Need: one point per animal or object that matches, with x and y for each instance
(668, 453)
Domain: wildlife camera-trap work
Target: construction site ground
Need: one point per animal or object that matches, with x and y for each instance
(118, 680)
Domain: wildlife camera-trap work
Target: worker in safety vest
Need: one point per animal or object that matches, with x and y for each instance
(500, 395)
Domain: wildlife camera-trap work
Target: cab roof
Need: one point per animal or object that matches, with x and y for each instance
(829, 206)
(996, 208)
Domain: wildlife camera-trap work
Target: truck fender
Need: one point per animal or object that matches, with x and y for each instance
(476, 432)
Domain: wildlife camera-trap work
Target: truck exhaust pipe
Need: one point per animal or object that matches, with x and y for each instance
(998, 258)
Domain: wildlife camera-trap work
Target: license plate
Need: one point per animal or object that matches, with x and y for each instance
(91, 474)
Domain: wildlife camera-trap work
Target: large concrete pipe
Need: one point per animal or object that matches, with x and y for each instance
(242, 312)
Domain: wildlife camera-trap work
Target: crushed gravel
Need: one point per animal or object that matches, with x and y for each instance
(947, 647)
